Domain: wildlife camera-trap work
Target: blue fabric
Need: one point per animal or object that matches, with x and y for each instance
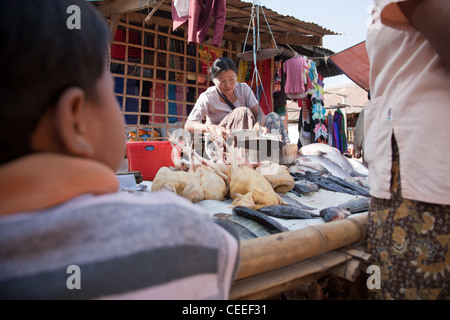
(172, 105)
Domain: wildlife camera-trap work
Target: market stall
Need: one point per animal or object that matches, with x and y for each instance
(298, 249)
(160, 69)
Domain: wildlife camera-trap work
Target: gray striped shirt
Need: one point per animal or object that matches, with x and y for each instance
(123, 246)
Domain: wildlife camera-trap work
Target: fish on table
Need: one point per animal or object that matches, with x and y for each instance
(351, 166)
(293, 202)
(346, 209)
(304, 187)
(288, 212)
(246, 228)
(320, 163)
(334, 213)
(349, 184)
(300, 170)
(263, 219)
(359, 168)
(356, 205)
(328, 152)
(331, 183)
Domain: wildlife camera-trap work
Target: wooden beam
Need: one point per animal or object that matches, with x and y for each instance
(290, 277)
(114, 23)
(285, 39)
(282, 249)
(124, 6)
(299, 40)
(147, 19)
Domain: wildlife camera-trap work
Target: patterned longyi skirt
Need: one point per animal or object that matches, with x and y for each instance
(409, 241)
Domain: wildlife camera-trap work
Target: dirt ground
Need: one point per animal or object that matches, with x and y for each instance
(329, 287)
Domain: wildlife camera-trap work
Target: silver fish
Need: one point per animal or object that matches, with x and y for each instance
(334, 213)
(344, 210)
(304, 187)
(317, 161)
(272, 225)
(302, 170)
(358, 167)
(356, 205)
(349, 184)
(328, 152)
(246, 228)
(287, 212)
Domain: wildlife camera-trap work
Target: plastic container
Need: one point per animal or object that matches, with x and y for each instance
(148, 157)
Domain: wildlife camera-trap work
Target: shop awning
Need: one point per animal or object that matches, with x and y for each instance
(354, 62)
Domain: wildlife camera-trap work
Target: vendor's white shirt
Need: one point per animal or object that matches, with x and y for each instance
(209, 105)
(410, 89)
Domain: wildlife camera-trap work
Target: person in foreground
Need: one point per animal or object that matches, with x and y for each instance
(65, 230)
(229, 106)
(407, 148)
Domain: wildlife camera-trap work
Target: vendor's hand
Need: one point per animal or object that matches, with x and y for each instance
(219, 130)
(264, 130)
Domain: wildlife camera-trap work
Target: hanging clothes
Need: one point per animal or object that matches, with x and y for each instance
(199, 19)
(262, 89)
(305, 128)
(330, 128)
(318, 116)
(320, 129)
(306, 119)
(182, 7)
(279, 96)
(172, 105)
(294, 68)
(243, 71)
(340, 135)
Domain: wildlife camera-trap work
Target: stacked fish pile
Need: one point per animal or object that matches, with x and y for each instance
(319, 166)
(322, 166)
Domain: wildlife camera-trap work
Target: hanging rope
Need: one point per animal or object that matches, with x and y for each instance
(256, 78)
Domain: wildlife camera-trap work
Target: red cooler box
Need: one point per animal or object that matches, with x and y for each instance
(148, 157)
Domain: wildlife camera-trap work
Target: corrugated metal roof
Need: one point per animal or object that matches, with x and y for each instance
(277, 18)
(285, 29)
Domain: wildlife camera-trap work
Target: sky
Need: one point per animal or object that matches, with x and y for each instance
(345, 17)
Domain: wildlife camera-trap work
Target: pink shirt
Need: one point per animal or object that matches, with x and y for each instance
(410, 89)
(294, 75)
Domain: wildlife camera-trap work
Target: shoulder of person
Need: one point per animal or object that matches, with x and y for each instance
(242, 87)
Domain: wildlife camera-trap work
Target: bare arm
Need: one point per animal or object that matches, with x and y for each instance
(431, 18)
(198, 127)
(255, 111)
(194, 126)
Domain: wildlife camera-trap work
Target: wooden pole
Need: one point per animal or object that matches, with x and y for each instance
(282, 249)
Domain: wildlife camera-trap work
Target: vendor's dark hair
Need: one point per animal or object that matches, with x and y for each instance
(222, 64)
(40, 58)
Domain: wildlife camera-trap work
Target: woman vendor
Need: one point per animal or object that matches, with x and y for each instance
(230, 105)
